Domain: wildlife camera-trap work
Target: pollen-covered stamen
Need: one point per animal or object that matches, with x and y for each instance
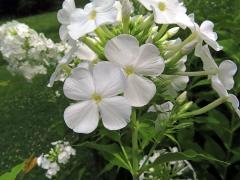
(129, 70)
(162, 6)
(92, 15)
(97, 98)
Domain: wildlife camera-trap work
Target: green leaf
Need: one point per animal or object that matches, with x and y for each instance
(13, 173)
(111, 153)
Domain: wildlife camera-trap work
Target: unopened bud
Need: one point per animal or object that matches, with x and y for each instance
(185, 107)
(182, 98)
(172, 32)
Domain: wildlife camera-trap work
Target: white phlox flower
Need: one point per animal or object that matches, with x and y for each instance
(64, 16)
(78, 50)
(94, 14)
(223, 80)
(205, 33)
(168, 12)
(136, 62)
(97, 92)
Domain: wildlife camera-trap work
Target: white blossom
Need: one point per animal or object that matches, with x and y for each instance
(168, 12)
(136, 62)
(97, 92)
(94, 14)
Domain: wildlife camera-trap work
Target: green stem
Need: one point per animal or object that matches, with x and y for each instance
(126, 156)
(205, 109)
(134, 145)
(197, 73)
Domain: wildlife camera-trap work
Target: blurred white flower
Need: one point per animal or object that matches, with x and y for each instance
(59, 154)
(136, 62)
(178, 168)
(94, 14)
(168, 12)
(52, 170)
(78, 50)
(97, 92)
(64, 17)
(27, 52)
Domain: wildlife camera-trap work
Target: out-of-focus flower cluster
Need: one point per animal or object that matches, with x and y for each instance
(175, 169)
(58, 155)
(26, 51)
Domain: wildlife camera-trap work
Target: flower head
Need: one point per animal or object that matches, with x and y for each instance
(136, 62)
(97, 92)
(94, 14)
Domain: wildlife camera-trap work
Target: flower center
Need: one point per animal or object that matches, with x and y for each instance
(93, 15)
(162, 6)
(97, 98)
(129, 70)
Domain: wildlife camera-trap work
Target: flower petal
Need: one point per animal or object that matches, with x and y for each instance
(79, 29)
(115, 112)
(85, 53)
(63, 33)
(149, 61)
(103, 5)
(235, 103)
(209, 36)
(227, 70)
(107, 17)
(204, 53)
(108, 79)
(82, 117)
(165, 107)
(79, 86)
(139, 90)
(122, 49)
(149, 3)
(218, 87)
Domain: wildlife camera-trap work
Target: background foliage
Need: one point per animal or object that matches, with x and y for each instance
(31, 114)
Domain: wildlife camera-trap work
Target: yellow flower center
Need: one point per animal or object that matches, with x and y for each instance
(93, 15)
(97, 98)
(162, 6)
(129, 70)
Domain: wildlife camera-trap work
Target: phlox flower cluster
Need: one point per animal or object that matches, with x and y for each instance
(126, 57)
(176, 169)
(26, 51)
(59, 155)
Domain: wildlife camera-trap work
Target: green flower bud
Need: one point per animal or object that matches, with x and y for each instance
(182, 98)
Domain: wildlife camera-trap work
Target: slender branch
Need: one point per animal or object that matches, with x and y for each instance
(205, 109)
(134, 145)
(197, 73)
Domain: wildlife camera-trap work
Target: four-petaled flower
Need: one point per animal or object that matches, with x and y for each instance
(136, 62)
(97, 92)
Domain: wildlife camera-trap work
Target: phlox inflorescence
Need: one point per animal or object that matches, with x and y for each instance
(140, 54)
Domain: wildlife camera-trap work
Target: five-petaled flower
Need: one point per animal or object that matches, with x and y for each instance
(98, 94)
(94, 14)
(136, 62)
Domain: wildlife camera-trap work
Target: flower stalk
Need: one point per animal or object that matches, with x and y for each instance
(134, 145)
(205, 109)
